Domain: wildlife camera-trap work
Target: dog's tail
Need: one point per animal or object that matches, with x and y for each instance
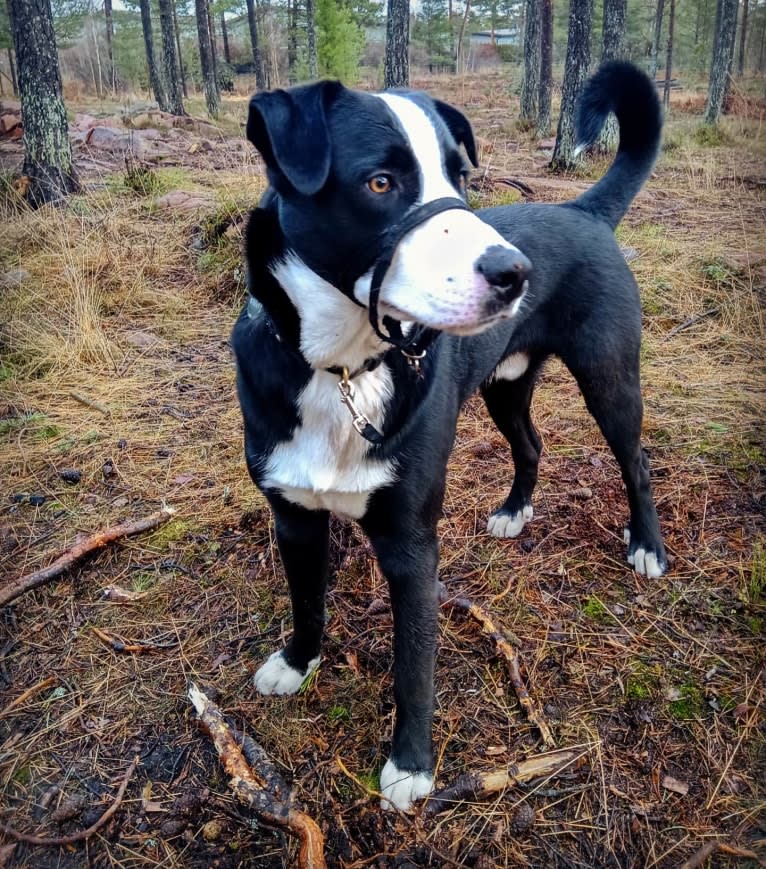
(621, 88)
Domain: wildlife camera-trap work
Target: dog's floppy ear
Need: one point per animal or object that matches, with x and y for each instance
(460, 127)
(289, 128)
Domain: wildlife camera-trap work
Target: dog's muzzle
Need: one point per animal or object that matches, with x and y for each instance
(506, 271)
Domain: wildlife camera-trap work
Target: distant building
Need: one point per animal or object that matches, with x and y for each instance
(503, 36)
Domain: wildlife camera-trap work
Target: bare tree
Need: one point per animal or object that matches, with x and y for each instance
(252, 23)
(155, 79)
(656, 36)
(575, 73)
(461, 35)
(726, 25)
(181, 66)
(292, 39)
(225, 38)
(742, 40)
(48, 164)
(172, 84)
(213, 44)
(612, 48)
(546, 69)
(530, 83)
(396, 68)
(109, 30)
(669, 56)
(212, 94)
(311, 39)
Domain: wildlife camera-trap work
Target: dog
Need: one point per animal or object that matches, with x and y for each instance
(379, 303)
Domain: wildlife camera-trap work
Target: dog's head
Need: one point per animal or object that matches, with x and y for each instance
(347, 167)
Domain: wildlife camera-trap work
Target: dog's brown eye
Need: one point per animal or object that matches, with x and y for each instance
(379, 183)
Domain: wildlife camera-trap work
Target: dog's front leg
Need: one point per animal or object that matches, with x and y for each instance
(410, 565)
(302, 537)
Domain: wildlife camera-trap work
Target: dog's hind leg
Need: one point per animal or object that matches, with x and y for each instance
(509, 402)
(303, 540)
(613, 397)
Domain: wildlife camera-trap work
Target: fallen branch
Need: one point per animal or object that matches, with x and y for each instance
(715, 847)
(136, 647)
(476, 785)
(25, 695)
(89, 402)
(82, 550)
(83, 834)
(260, 787)
(689, 322)
(508, 653)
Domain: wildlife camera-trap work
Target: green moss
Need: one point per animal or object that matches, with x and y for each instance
(35, 424)
(172, 532)
(339, 715)
(593, 609)
(643, 682)
(689, 704)
(711, 136)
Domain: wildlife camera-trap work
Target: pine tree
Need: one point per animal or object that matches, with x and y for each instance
(172, 84)
(340, 41)
(311, 40)
(726, 25)
(546, 69)
(530, 84)
(396, 67)
(612, 48)
(109, 30)
(252, 23)
(656, 36)
(155, 79)
(575, 73)
(48, 164)
(212, 95)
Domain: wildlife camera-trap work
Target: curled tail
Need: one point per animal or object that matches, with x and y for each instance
(621, 88)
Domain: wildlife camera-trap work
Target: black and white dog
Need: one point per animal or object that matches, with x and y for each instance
(380, 303)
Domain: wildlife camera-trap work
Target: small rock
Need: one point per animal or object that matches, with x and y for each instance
(181, 200)
(70, 475)
(120, 502)
(583, 493)
(524, 819)
(172, 828)
(70, 807)
(14, 278)
(140, 338)
(122, 444)
(630, 253)
(212, 830)
(107, 469)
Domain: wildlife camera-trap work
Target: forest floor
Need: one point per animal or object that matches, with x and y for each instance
(127, 301)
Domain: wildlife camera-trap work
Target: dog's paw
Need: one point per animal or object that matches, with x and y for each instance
(502, 524)
(401, 788)
(646, 561)
(276, 676)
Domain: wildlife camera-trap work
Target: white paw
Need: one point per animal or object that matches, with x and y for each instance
(400, 788)
(644, 562)
(509, 524)
(276, 676)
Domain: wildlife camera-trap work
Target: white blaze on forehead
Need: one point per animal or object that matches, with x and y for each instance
(421, 134)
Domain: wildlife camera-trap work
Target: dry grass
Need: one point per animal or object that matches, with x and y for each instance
(131, 307)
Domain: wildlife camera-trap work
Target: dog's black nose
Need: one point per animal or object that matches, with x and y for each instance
(504, 268)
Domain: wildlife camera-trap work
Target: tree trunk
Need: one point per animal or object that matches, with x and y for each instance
(98, 81)
(546, 69)
(311, 40)
(292, 39)
(726, 24)
(181, 66)
(47, 151)
(669, 56)
(12, 67)
(575, 73)
(461, 35)
(213, 47)
(155, 80)
(396, 71)
(173, 86)
(225, 37)
(252, 23)
(212, 96)
(612, 48)
(109, 29)
(742, 40)
(530, 84)
(655, 55)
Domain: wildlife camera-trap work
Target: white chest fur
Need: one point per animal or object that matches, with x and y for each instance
(324, 466)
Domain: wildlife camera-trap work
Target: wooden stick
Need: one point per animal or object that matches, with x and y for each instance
(25, 695)
(80, 551)
(89, 402)
(508, 653)
(475, 785)
(717, 846)
(261, 788)
(83, 834)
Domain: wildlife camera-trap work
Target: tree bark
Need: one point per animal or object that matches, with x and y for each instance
(181, 66)
(742, 40)
(575, 73)
(48, 162)
(657, 35)
(461, 35)
(292, 39)
(225, 38)
(155, 79)
(12, 67)
(311, 40)
(612, 48)
(546, 69)
(669, 56)
(212, 95)
(530, 83)
(109, 29)
(396, 70)
(252, 23)
(172, 84)
(213, 45)
(726, 24)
